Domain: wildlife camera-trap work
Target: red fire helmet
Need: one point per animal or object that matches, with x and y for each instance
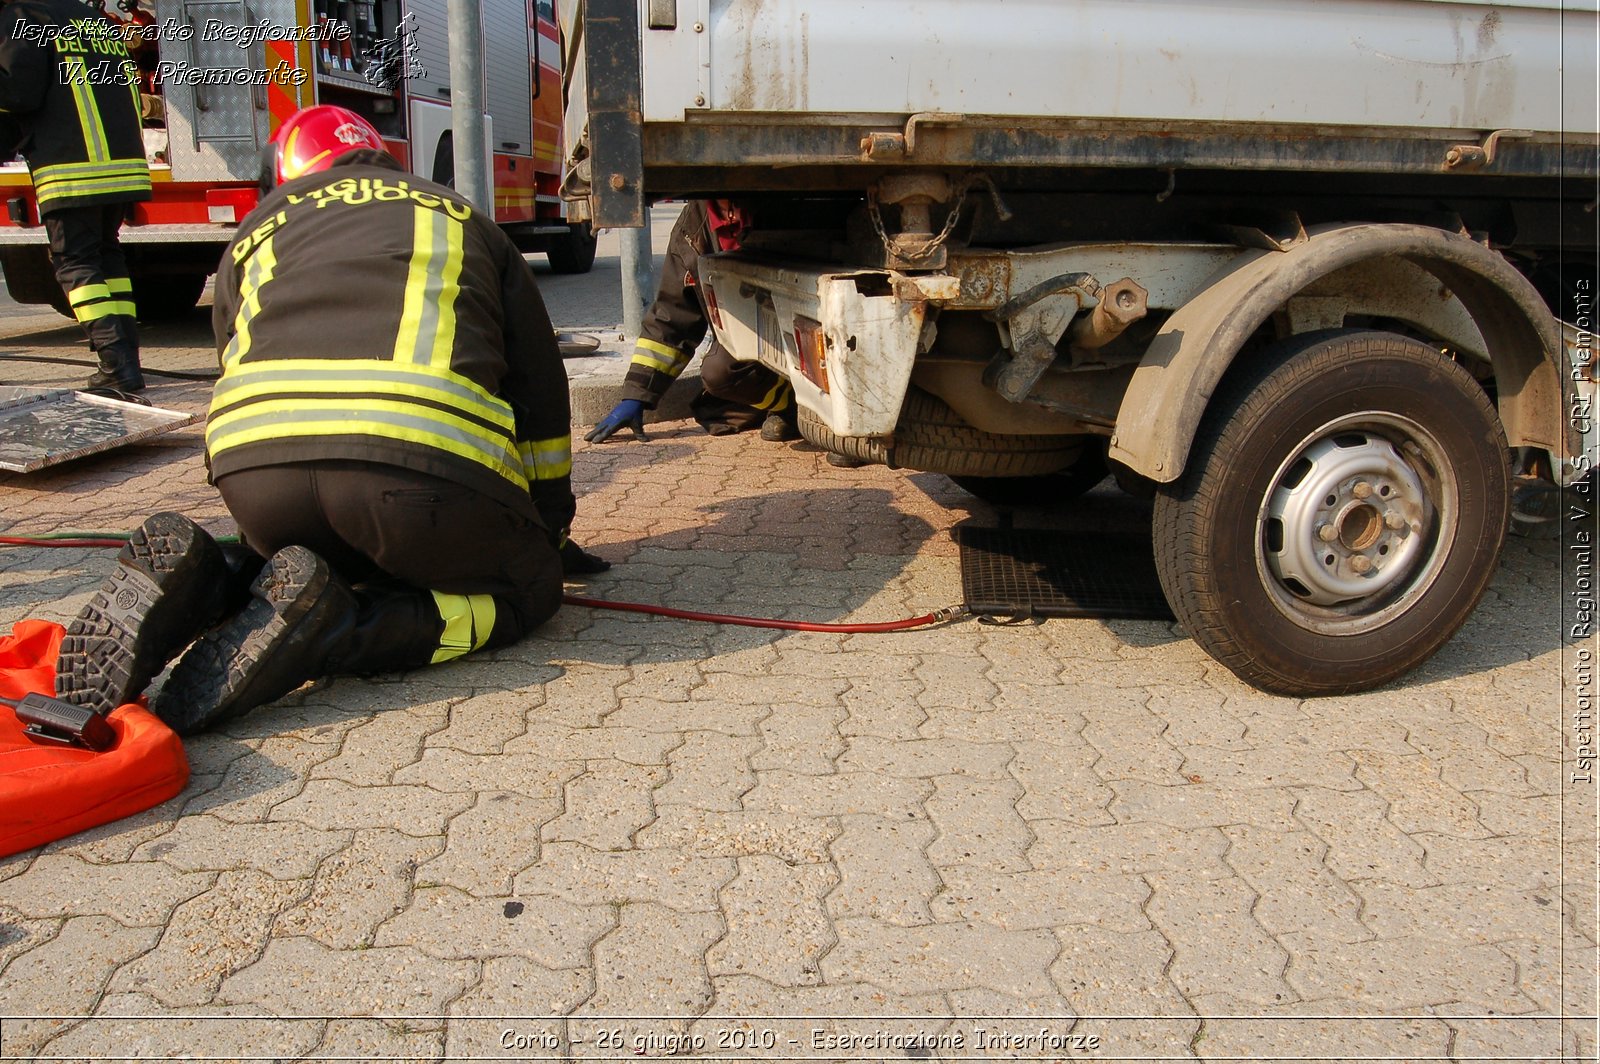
(311, 139)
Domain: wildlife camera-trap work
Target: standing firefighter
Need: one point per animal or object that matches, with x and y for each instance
(391, 427)
(741, 395)
(68, 83)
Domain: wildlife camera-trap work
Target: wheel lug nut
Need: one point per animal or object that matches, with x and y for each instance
(1361, 564)
(1327, 533)
(1393, 520)
(1361, 490)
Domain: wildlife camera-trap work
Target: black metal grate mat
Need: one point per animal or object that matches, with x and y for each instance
(1032, 573)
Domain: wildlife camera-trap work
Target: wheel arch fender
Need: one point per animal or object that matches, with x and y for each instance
(1162, 407)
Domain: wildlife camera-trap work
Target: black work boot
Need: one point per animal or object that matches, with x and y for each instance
(274, 644)
(168, 587)
(118, 371)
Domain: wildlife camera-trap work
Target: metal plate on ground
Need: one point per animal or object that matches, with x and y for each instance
(42, 427)
(1015, 573)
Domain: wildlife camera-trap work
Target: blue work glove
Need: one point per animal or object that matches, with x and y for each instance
(629, 412)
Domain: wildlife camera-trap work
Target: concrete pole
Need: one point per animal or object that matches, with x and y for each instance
(638, 276)
(467, 103)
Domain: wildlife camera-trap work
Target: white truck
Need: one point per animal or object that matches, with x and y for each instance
(1297, 268)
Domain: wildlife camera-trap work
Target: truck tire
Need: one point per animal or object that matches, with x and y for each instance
(933, 438)
(1342, 511)
(573, 253)
(166, 296)
(30, 278)
(1048, 489)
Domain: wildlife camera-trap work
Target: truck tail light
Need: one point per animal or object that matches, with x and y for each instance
(228, 206)
(811, 345)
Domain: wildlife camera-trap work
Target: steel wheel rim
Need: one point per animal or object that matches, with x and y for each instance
(1351, 527)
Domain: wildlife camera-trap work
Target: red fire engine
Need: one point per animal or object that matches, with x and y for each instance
(219, 76)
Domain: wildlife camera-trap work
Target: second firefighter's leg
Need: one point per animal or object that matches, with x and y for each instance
(769, 397)
(77, 251)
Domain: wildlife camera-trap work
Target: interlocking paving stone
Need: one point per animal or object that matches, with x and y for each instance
(1405, 973)
(63, 977)
(335, 805)
(487, 845)
(1190, 805)
(1362, 842)
(883, 870)
(922, 959)
(283, 850)
(445, 922)
(135, 894)
(652, 963)
(1296, 890)
(584, 876)
(1104, 973)
(134, 1026)
(1019, 901)
(777, 924)
(792, 837)
(210, 937)
(800, 738)
(1216, 939)
(606, 806)
(709, 771)
(978, 824)
(358, 888)
(302, 977)
(1128, 848)
(1058, 781)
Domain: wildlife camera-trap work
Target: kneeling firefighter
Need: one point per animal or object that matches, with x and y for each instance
(391, 431)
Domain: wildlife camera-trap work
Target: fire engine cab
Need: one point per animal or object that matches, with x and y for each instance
(217, 77)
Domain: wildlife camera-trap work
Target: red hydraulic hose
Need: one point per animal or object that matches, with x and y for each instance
(948, 613)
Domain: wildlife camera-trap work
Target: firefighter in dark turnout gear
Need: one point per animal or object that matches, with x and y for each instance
(391, 428)
(742, 395)
(69, 84)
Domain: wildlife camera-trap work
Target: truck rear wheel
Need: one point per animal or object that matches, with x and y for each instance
(573, 253)
(1341, 514)
(30, 278)
(933, 438)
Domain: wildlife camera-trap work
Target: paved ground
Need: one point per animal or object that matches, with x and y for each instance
(637, 836)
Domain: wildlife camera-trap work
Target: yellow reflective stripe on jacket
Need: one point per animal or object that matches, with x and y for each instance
(91, 178)
(427, 405)
(468, 620)
(94, 131)
(119, 285)
(546, 459)
(256, 274)
(659, 357)
(428, 316)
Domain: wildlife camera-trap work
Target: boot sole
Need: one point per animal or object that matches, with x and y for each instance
(207, 684)
(167, 586)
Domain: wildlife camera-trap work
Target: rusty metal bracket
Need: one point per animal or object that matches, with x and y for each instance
(1035, 322)
(881, 146)
(1465, 158)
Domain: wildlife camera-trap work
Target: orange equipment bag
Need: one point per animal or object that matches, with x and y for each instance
(47, 791)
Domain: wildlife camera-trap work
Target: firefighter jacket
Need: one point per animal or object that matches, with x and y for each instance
(365, 313)
(676, 322)
(69, 84)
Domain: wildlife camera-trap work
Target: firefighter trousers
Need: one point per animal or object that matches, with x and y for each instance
(748, 391)
(90, 266)
(439, 570)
